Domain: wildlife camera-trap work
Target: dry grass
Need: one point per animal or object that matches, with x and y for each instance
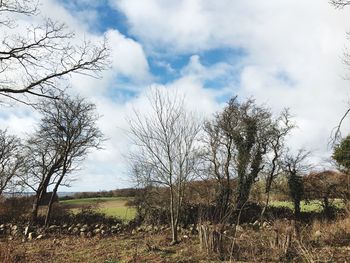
(332, 233)
(140, 248)
(319, 242)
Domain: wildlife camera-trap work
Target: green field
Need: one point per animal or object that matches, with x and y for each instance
(110, 206)
(311, 206)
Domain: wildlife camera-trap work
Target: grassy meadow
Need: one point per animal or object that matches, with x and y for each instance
(110, 206)
(310, 206)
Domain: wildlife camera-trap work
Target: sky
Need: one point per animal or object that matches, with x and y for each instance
(282, 53)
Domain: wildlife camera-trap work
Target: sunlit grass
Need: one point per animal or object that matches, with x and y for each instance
(124, 213)
(110, 206)
(92, 201)
(311, 206)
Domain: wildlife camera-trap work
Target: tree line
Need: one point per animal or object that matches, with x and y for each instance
(232, 150)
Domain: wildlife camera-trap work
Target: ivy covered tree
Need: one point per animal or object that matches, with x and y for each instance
(295, 166)
(341, 153)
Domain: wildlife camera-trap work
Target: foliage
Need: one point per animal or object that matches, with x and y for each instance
(237, 143)
(341, 153)
(326, 186)
(15, 209)
(295, 166)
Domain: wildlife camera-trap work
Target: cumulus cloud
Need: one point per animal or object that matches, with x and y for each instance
(291, 57)
(292, 52)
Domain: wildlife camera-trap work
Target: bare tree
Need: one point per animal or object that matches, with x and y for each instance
(220, 150)
(32, 62)
(336, 135)
(340, 3)
(66, 134)
(166, 151)
(281, 127)
(25, 7)
(11, 159)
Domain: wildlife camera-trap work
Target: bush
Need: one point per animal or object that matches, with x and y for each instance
(85, 216)
(15, 208)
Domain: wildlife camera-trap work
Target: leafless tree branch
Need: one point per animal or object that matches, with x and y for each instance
(32, 63)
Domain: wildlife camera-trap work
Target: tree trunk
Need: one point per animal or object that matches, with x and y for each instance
(243, 195)
(42, 190)
(297, 209)
(265, 206)
(37, 199)
(34, 212)
(173, 222)
(211, 238)
(49, 207)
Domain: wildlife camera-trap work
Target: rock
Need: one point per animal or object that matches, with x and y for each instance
(103, 232)
(26, 231)
(53, 227)
(2, 226)
(256, 225)
(14, 230)
(239, 228)
(117, 227)
(89, 234)
(75, 230)
(40, 237)
(82, 234)
(83, 229)
(318, 234)
(30, 236)
(133, 232)
(265, 224)
(185, 237)
(97, 231)
(65, 226)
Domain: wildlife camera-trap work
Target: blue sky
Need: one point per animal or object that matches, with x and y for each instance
(282, 53)
(164, 66)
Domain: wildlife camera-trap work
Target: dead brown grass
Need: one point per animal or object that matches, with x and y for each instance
(321, 241)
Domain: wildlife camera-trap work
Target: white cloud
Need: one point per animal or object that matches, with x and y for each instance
(293, 52)
(128, 57)
(292, 59)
